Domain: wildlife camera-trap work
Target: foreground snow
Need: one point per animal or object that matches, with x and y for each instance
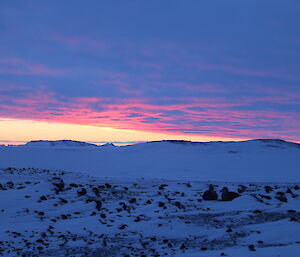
(47, 213)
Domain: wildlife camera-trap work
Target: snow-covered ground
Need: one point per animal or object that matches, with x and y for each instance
(80, 199)
(255, 160)
(55, 213)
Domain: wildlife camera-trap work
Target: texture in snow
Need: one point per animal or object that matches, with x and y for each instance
(56, 213)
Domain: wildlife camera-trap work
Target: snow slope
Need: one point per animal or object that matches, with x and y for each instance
(254, 160)
(55, 214)
(60, 144)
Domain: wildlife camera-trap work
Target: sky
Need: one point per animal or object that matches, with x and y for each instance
(138, 70)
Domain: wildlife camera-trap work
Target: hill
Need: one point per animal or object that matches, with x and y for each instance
(260, 160)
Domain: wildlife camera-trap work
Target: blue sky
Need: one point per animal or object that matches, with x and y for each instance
(212, 68)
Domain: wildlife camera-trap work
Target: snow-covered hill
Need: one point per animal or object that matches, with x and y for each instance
(59, 144)
(255, 160)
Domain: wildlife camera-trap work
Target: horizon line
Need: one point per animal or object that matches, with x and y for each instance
(14, 142)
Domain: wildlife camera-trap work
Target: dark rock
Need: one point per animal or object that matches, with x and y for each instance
(58, 183)
(251, 247)
(95, 191)
(229, 229)
(161, 204)
(43, 198)
(242, 188)
(257, 211)
(268, 189)
(179, 205)
(98, 205)
(63, 201)
(64, 217)
(133, 200)
(182, 247)
(281, 197)
(108, 185)
(162, 187)
(123, 226)
(293, 219)
(10, 184)
(81, 192)
(266, 197)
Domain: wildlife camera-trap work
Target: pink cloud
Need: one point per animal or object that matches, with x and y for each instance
(88, 99)
(210, 117)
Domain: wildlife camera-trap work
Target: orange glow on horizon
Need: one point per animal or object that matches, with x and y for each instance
(14, 131)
